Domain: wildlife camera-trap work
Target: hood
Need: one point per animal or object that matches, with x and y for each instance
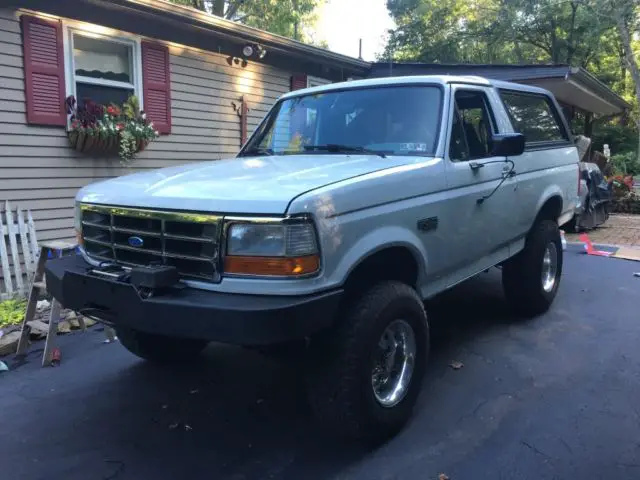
(257, 185)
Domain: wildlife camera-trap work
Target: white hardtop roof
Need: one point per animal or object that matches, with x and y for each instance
(434, 79)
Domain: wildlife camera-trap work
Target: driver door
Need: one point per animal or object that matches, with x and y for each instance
(482, 186)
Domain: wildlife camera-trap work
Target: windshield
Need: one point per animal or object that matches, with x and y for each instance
(398, 120)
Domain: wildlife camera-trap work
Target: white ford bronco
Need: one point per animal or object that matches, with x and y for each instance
(349, 206)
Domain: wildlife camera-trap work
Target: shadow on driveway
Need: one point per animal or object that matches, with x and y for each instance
(104, 414)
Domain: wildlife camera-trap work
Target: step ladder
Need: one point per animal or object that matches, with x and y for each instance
(38, 287)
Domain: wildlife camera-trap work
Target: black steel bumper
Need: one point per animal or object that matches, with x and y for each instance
(188, 312)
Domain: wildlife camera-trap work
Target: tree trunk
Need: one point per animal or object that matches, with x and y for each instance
(217, 7)
(634, 70)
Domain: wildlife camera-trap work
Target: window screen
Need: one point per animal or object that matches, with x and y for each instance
(534, 116)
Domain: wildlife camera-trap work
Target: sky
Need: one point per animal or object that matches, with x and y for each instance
(342, 22)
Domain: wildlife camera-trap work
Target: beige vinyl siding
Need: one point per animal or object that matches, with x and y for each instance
(40, 172)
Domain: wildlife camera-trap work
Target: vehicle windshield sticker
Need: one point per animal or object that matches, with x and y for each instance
(413, 147)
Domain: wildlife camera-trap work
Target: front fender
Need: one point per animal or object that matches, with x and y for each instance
(376, 241)
(550, 191)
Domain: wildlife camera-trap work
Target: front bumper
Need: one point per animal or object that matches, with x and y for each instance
(190, 313)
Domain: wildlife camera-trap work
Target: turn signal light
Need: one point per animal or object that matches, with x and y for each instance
(272, 266)
(79, 238)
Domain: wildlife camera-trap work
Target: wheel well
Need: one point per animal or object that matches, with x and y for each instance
(551, 209)
(392, 263)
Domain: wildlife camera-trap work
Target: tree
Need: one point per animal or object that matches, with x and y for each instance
(496, 31)
(290, 18)
(594, 34)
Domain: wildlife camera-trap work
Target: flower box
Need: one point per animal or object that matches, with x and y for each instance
(97, 130)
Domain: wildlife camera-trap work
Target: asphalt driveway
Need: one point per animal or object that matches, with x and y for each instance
(555, 397)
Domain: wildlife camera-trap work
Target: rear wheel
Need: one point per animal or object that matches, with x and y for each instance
(158, 348)
(531, 279)
(365, 374)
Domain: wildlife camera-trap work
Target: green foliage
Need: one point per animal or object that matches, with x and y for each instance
(497, 31)
(626, 163)
(620, 138)
(131, 108)
(585, 33)
(12, 312)
(289, 18)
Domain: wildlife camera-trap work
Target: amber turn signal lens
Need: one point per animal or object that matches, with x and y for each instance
(79, 238)
(271, 266)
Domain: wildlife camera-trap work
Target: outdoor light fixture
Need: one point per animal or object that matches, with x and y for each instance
(251, 50)
(247, 51)
(261, 51)
(231, 60)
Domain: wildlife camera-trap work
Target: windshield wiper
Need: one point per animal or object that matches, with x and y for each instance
(335, 148)
(258, 151)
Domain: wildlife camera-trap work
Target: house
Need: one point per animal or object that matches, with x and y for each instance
(574, 87)
(203, 81)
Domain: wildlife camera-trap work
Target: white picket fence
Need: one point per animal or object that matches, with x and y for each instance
(17, 236)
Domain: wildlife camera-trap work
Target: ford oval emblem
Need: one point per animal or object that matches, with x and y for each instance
(135, 241)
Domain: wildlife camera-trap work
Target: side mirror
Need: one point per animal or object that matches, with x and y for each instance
(507, 145)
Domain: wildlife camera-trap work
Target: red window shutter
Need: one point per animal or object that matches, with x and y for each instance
(156, 85)
(44, 71)
(298, 81)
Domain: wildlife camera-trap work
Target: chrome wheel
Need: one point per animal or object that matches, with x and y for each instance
(549, 267)
(394, 364)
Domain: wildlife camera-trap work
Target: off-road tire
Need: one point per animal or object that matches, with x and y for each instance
(522, 275)
(158, 348)
(340, 363)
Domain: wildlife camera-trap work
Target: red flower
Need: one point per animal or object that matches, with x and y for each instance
(120, 126)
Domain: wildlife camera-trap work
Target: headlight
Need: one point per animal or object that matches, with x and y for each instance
(271, 249)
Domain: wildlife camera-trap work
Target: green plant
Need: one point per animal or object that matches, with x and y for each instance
(630, 203)
(97, 128)
(625, 164)
(131, 108)
(12, 312)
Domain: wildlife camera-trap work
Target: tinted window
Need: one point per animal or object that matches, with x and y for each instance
(472, 127)
(534, 116)
(395, 120)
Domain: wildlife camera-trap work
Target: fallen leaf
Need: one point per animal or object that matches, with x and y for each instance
(456, 365)
(195, 390)
(188, 427)
(443, 476)
(172, 426)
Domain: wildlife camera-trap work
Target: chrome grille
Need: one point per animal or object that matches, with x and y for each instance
(136, 237)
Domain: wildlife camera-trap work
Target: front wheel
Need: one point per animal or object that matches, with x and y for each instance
(158, 348)
(365, 374)
(531, 279)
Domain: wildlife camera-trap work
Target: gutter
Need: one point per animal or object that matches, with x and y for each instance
(189, 15)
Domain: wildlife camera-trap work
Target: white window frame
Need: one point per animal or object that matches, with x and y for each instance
(71, 28)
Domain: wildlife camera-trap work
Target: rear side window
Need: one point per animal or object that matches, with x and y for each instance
(534, 116)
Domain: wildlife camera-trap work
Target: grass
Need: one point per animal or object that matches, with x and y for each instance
(12, 312)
